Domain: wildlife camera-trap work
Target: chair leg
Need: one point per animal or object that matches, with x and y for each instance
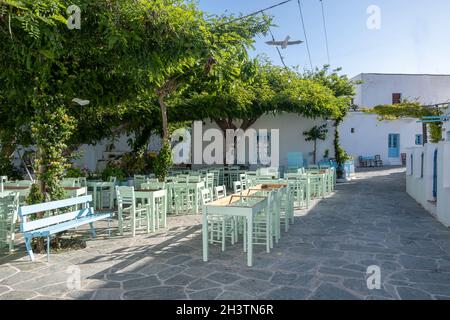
(223, 235)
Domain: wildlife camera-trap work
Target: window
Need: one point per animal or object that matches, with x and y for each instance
(396, 98)
(352, 130)
(419, 140)
(448, 135)
(412, 165)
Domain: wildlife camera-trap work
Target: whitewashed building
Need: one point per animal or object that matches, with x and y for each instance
(364, 135)
(428, 178)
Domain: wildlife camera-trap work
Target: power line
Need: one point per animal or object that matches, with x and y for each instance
(255, 13)
(278, 49)
(304, 31)
(325, 30)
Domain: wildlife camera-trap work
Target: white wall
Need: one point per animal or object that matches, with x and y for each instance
(291, 128)
(370, 137)
(421, 187)
(90, 155)
(377, 89)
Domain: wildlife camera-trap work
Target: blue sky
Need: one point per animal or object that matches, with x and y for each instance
(414, 36)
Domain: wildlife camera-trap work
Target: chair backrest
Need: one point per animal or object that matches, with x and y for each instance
(125, 196)
(237, 186)
(243, 180)
(69, 182)
(153, 185)
(182, 178)
(139, 180)
(220, 192)
(26, 211)
(216, 174)
(206, 196)
(210, 180)
(112, 179)
(9, 206)
(194, 178)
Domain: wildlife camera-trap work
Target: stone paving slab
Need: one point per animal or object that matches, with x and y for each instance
(367, 222)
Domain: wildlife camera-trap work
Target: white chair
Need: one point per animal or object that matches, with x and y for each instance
(220, 192)
(138, 181)
(237, 187)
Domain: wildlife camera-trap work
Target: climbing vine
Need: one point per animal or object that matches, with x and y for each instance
(410, 109)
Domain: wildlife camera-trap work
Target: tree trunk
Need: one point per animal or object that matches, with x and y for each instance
(41, 171)
(163, 108)
(315, 152)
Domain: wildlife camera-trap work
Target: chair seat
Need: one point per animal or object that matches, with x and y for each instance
(44, 232)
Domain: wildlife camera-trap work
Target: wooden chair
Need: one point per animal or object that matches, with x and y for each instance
(237, 187)
(137, 214)
(378, 161)
(139, 180)
(220, 192)
(9, 206)
(220, 227)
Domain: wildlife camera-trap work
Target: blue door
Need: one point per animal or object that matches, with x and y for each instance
(394, 145)
(435, 174)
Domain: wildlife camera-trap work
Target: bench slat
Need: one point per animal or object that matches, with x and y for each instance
(53, 220)
(44, 232)
(41, 207)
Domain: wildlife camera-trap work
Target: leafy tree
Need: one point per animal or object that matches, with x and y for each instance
(314, 134)
(343, 89)
(262, 88)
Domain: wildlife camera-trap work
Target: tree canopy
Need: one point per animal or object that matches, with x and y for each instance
(141, 65)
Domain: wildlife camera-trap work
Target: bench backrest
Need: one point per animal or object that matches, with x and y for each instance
(26, 211)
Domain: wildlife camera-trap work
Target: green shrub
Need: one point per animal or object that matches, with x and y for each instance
(163, 162)
(113, 170)
(74, 172)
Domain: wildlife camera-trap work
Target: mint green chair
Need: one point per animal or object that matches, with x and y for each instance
(138, 181)
(220, 227)
(237, 187)
(220, 192)
(137, 214)
(9, 206)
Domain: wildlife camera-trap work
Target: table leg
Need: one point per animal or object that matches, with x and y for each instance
(111, 197)
(308, 194)
(155, 216)
(250, 240)
(196, 201)
(95, 197)
(205, 234)
(268, 230)
(165, 212)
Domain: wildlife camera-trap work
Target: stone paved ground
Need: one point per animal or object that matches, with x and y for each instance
(370, 221)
